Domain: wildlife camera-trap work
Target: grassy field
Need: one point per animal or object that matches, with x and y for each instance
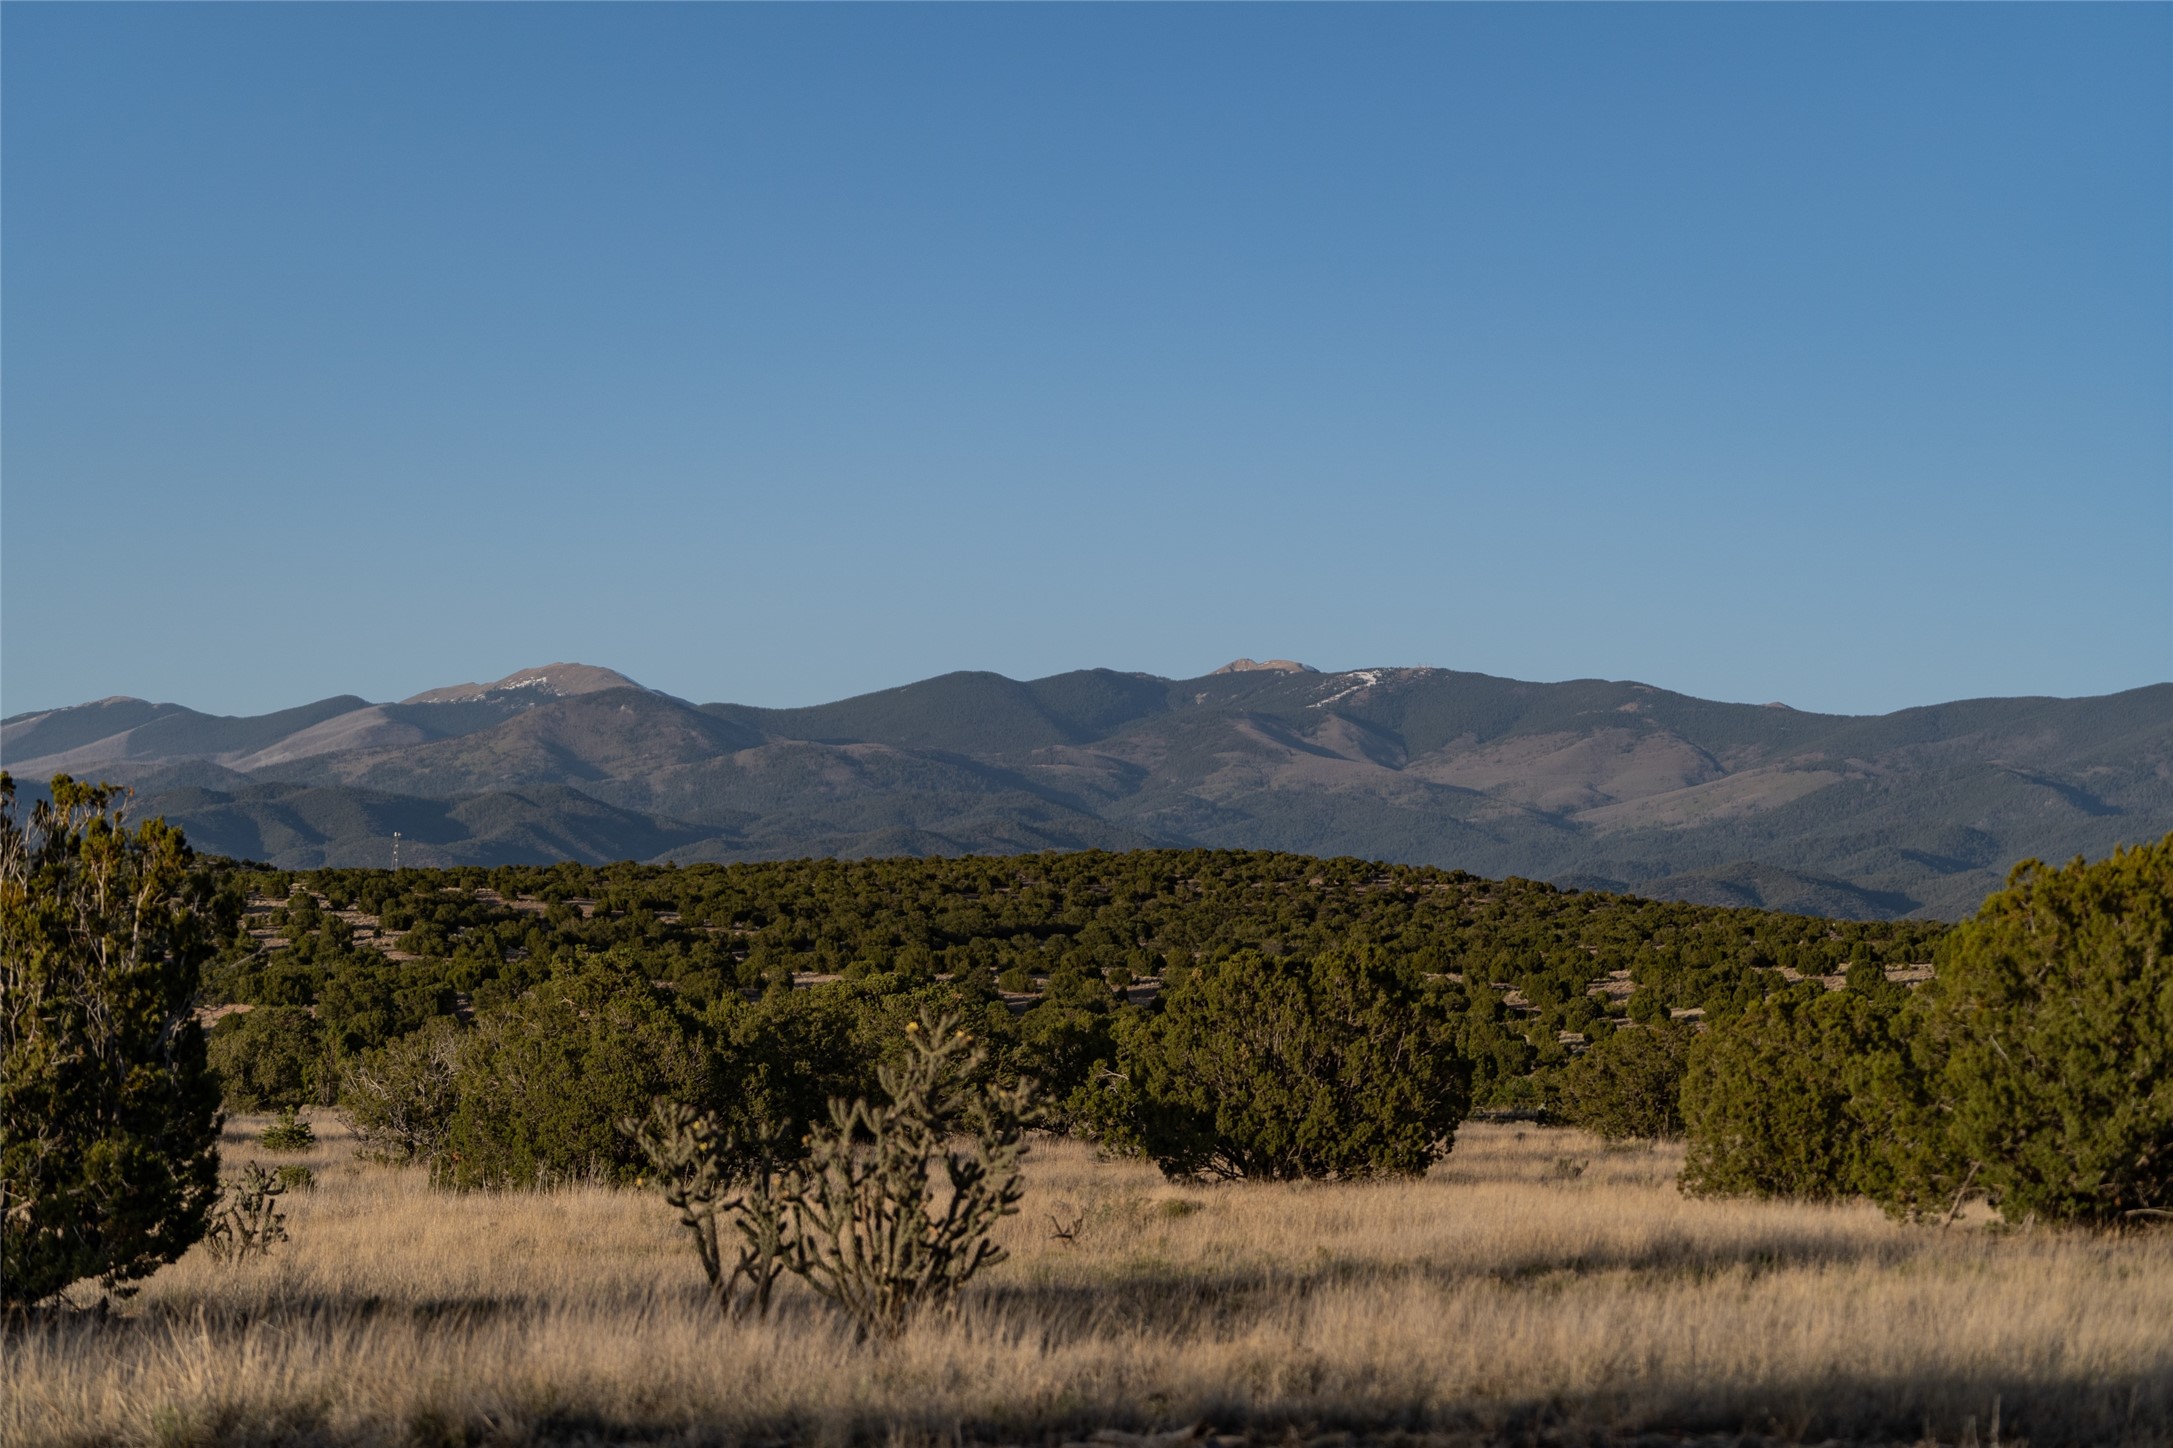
(1509, 1297)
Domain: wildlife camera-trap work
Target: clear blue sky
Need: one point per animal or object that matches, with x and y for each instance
(1819, 353)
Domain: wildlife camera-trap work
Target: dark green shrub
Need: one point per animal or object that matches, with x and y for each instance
(1336, 1066)
(2047, 1037)
(1629, 1083)
(290, 1133)
(301, 915)
(1781, 1101)
(269, 1057)
(1072, 988)
(1062, 1047)
(790, 1053)
(542, 1083)
(1500, 1056)
(364, 1001)
(108, 1112)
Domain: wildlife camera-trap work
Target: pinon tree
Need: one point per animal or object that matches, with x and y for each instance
(108, 1113)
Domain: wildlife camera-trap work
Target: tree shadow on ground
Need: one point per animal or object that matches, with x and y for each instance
(1150, 1297)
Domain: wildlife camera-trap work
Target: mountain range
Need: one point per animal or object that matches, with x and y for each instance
(1591, 784)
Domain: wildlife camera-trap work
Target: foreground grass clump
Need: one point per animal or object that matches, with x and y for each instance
(1496, 1297)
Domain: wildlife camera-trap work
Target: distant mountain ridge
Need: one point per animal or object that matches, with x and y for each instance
(1595, 783)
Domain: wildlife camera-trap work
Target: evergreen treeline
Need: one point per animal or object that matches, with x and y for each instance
(1022, 920)
(1042, 950)
(1312, 1017)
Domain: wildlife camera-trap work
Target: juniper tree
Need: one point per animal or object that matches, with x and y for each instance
(1337, 1066)
(2047, 1040)
(108, 1113)
(1790, 1097)
(1629, 1083)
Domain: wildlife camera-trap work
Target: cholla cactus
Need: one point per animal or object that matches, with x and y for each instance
(868, 1230)
(725, 1186)
(248, 1221)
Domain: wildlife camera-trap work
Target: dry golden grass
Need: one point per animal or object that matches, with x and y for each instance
(1498, 1300)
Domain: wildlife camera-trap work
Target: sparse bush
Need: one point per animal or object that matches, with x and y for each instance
(400, 1099)
(868, 1230)
(108, 1111)
(290, 1133)
(2047, 1040)
(542, 1084)
(295, 1177)
(1629, 1083)
(1336, 1066)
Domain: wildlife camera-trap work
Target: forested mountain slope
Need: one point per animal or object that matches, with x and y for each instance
(1595, 783)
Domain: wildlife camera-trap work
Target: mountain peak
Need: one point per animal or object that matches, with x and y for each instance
(1271, 666)
(1682, 799)
(552, 681)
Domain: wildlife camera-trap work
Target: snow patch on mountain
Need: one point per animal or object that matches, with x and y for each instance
(552, 681)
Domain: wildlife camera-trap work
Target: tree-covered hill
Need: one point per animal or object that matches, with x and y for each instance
(1047, 950)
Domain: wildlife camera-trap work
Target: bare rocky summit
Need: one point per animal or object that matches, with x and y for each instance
(552, 681)
(1272, 666)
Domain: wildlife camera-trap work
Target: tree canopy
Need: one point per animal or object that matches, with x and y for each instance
(108, 1112)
